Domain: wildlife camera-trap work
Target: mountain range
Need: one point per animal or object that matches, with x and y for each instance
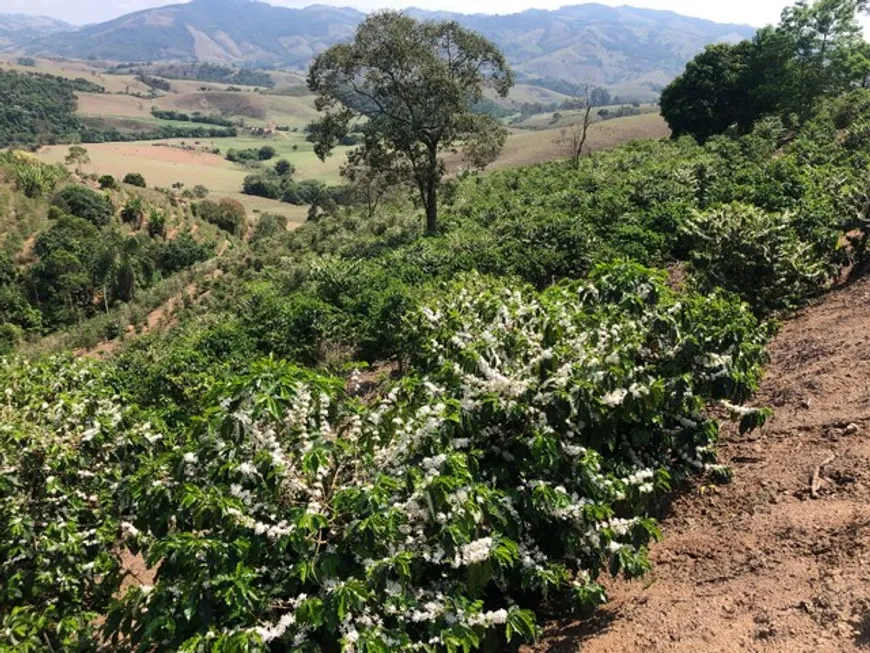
(615, 46)
(16, 29)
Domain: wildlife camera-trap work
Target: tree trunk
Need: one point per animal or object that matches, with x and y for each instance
(431, 208)
(431, 199)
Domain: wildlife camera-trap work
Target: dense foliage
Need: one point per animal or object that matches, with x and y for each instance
(263, 153)
(154, 82)
(277, 183)
(542, 386)
(84, 255)
(135, 179)
(38, 109)
(100, 133)
(85, 203)
(226, 214)
(208, 72)
(196, 116)
(35, 108)
(816, 51)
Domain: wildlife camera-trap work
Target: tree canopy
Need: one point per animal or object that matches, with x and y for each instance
(408, 87)
(816, 51)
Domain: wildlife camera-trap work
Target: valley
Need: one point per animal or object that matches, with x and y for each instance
(283, 113)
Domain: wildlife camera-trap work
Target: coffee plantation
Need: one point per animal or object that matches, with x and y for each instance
(552, 363)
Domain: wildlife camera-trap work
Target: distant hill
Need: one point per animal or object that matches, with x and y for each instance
(219, 31)
(632, 50)
(19, 28)
(615, 46)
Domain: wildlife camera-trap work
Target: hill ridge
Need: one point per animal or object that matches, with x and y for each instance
(635, 51)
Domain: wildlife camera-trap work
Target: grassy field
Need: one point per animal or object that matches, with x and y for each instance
(184, 95)
(568, 118)
(113, 106)
(528, 94)
(525, 147)
(164, 163)
(259, 110)
(164, 166)
(74, 69)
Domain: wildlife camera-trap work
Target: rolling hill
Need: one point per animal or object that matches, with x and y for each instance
(20, 28)
(631, 50)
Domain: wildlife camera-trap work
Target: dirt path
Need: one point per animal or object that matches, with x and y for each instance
(761, 565)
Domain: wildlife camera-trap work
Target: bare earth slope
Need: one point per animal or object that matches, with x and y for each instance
(761, 565)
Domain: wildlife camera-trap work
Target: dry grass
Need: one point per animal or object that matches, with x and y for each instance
(530, 147)
(244, 105)
(290, 110)
(570, 117)
(164, 166)
(74, 69)
(528, 94)
(113, 106)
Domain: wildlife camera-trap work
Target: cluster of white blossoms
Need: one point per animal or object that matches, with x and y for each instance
(529, 419)
(614, 398)
(277, 630)
(489, 619)
(474, 553)
(642, 480)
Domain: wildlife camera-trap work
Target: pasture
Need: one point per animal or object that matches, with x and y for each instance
(164, 163)
(561, 119)
(74, 69)
(525, 147)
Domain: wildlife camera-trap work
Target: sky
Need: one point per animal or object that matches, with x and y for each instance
(752, 12)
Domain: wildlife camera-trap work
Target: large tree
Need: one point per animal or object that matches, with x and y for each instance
(706, 98)
(824, 35)
(408, 87)
(817, 50)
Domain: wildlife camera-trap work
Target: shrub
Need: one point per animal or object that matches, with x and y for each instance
(226, 214)
(242, 156)
(284, 168)
(200, 192)
(266, 152)
(181, 253)
(11, 335)
(263, 184)
(268, 226)
(518, 464)
(86, 204)
(35, 179)
(304, 192)
(135, 179)
(107, 182)
(133, 211)
(757, 254)
(157, 224)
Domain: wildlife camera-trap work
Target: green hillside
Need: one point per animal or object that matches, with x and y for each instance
(71, 254)
(483, 351)
(384, 432)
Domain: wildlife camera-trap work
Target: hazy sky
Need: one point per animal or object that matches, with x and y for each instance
(753, 12)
